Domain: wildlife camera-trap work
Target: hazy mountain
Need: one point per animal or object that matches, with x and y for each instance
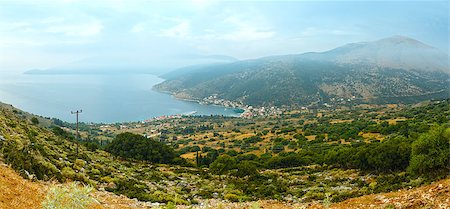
(388, 70)
(393, 52)
(132, 64)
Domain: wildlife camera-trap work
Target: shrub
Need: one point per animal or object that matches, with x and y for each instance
(232, 197)
(68, 173)
(133, 189)
(293, 160)
(278, 148)
(68, 196)
(246, 168)
(430, 153)
(34, 120)
(222, 164)
(391, 155)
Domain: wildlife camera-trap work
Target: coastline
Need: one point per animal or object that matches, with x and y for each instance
(243, 110)
(199, 101)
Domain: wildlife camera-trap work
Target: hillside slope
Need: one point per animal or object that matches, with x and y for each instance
(436, 195)
(43, 155)
(17, 192)
(50, 155)
(395, 69)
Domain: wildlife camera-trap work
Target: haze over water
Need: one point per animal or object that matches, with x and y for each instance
(103, 98)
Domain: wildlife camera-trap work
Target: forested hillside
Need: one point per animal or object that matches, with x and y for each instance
(391, 70)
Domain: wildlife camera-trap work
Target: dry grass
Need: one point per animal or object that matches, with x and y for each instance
(436, 195)
(334, 121)
(395, 120)
(109, 200)
(189, 155)
(20, 193)
(16, 192)
(376, 136)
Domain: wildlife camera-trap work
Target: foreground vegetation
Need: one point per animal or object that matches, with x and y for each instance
(301, 156)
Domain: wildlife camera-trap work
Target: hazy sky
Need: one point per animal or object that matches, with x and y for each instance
(43, 34)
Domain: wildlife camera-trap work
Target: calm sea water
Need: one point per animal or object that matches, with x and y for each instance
(103, 98)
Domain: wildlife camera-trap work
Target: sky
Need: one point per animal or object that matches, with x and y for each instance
(40, 34)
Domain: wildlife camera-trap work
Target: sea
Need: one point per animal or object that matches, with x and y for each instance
(102, 98)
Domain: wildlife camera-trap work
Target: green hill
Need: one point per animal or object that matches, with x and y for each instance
(296, 157)
(42, 153)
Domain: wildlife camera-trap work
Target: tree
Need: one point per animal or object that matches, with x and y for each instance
(246, 168)
(129, 145)
(430, 153)
(34, 120)
(222, 164)
(291, 160)
(390, 155)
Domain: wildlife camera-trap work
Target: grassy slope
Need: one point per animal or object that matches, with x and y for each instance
(48, 152)
(436, 195)
(17, 192)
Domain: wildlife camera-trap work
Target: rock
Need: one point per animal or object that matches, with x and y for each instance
(30, 176)
(182, 184)
(112, 185)
(155, 204)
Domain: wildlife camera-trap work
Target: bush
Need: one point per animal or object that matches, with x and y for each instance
(132, 189)
(292, 160)
(246, 168)
(391, 155)
(34, 120)
(430, 153)
(68, 196)
(232, 197)
(222, 164)
(68, 173)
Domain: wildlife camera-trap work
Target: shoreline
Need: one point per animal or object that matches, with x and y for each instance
(243, 111)
(198, 101)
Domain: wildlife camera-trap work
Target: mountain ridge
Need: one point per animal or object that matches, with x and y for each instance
(131, 64)
(392, 67)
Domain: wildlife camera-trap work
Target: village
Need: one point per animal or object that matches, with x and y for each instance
(248, 111)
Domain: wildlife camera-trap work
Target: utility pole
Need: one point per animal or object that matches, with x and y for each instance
(78, 134)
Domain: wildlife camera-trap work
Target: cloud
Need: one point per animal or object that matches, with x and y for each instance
(314, 31)
(181, 30)
(83, 29)
(246, 29)
(234, 27)
(139, 27)
(19, 42)
(52, 20)
(202, 4)
(248, 34)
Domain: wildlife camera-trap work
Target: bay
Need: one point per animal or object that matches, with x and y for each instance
(103, 98)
